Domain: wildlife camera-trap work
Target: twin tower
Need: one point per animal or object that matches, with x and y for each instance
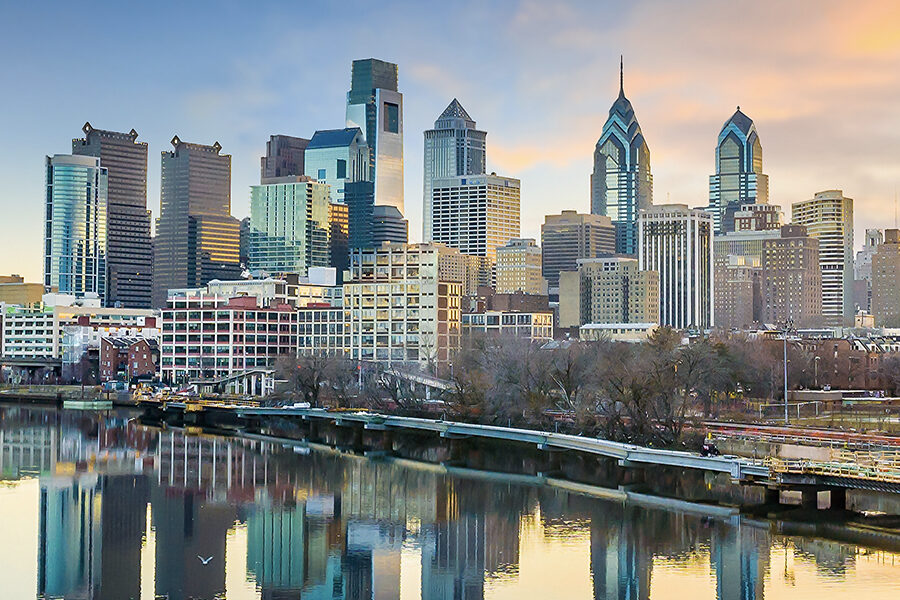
(622, 184)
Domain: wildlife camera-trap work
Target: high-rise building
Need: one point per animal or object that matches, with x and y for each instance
(284, 157)
(862, 270)
(791, 278)
(337, 157)
(519, 268)
(757, 217)
(568, 237)
(376, 107)
(289, 227)
(476, 214)
(388, 225)
(75, 230)
(621, 184)
(676, 242)
(828, 217)
(454, 147)
(129, 256)
(608, 290)
(423, 322)
(338, 220)
(885, 274)
(739, 178)
(197, 239)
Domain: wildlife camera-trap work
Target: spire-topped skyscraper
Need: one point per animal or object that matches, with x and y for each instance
(454, 147)
(621, 184)
(739, 179)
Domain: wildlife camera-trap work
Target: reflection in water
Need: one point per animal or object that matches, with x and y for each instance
(246, 519)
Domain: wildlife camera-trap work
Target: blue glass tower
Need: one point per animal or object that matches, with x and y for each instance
(621, 184)
(739, 179)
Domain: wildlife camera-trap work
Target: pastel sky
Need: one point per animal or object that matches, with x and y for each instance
(820, 78)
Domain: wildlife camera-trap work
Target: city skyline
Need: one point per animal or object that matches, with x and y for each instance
(235, 96)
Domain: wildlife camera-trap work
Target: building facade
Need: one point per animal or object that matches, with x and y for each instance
(210, 337)
(885, 277)
(862, 270)
(476, 214)
(128, 358)
(75, 229)
(129, 256)
(453, 148)
(532, 326)
(519, 267)
(737, 272)
(621, 184)
(739, 179)
(285, 156)
(608, 290)
(337, 157)
(568, 237)
(322, 330)
(400, 310)
(791, 279)
(676, 242)
(828, 217)
(197, 239)
(289, 226)
(375, 106)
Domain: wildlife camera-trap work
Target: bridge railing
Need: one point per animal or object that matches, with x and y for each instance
(883, 466)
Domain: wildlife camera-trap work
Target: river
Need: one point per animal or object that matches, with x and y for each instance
(101, 507)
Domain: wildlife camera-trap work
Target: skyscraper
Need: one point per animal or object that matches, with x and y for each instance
(739, 178)
(376, 107)
(197, 239)
(621, 184)
(284, 157)
(475, 213)
(454, 147)
(568, 237)
(75, 239)
(828, 217)
(289, 227)
(676, 241)
(791, 278)
(129, 256)
(608, 290)
(337, 157)
(519, 268)
(885, 277)
(862, 270)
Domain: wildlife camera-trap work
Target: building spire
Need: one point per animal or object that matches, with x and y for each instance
(621, 75)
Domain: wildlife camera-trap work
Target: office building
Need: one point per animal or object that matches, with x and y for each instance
(739, 179)
(376, 107)
(289, 226)
(476, 214)
(197, 239)
(757, 217)
(337, 157)
(568, 237)
(453, 148)
(284, 157)
(339, 238)
(737, 264)
(531, 326)
(227, 336)
(791, 279)
(75, 232)
(621, 184)
(388, 225)
(676, 242)
(519, 268)
(862, 270)
(323, 330)
(885, 274)
(129, 256)
(400, 309)
(828, 217)
(608, 290)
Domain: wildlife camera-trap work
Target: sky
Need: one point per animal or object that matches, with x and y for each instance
(821, 80)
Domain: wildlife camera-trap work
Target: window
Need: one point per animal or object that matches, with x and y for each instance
(341, 168)
(321, 175)
(391, 117)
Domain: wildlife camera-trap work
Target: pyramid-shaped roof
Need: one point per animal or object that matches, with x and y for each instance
(740, 120)
(455, 110)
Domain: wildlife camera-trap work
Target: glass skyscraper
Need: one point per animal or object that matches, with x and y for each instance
(739, 179)
(75, 225)
(337, 157)
(376, 107)
(289, 228)
(621, 184)
(454, 147)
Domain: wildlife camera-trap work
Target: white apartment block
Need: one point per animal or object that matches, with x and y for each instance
(475, 213)
(676, 242)
(536, 327)
(828, 217)
(519, 268)
(322, 331)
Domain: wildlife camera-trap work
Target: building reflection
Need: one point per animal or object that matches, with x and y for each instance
(325, 526)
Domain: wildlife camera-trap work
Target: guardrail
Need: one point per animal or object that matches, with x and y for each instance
(873, 466)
